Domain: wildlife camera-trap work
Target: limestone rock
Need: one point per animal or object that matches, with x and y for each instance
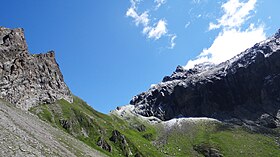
(28, 80)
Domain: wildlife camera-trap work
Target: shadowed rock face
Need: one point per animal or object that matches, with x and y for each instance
(244, 87)
(28, 80)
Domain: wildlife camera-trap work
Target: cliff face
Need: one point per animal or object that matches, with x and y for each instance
(28, 80)
(244, 87)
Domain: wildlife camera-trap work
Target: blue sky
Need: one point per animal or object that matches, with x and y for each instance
(111, 50)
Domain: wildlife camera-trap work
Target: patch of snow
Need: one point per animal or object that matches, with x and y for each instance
(168, 82)
(151, 120)
(128, 111)
(153, 85)
(179, 121)
(124, 110)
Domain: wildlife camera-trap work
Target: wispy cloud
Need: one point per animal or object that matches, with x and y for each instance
(172, 41)
(151, 29)
(138, 19)
(236, 13)
(233, 37)
(157, 31)
(187, 24)
(159, 3)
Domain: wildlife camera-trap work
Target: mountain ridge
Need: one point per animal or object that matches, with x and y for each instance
(244, 87)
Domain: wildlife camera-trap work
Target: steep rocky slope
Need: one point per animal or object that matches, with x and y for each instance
(23, 134)
(28, 80)
(245, 87)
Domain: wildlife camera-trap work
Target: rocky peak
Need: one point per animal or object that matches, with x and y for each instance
(244, 87)
(182, 73)
(28, 80)
(12, 43)
(180, 69)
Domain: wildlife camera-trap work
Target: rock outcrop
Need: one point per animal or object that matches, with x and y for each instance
(246, 87)
(120, 139)
(25, 79)
(101, 142)
(207, 151)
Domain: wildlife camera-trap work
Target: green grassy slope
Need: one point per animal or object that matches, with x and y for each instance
(88, 125)
(142, 139)
(191, 138)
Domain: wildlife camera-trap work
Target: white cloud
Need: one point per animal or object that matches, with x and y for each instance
(172, 41)
(157, 31)
(134, 3)
(138, 19)
(232, 39)
(159, 3)
(236, 13)
(151, 29)
(187, 24)
(192, 63)
(231, 42)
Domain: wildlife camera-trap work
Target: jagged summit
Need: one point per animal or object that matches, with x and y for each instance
(182, 73)
(244, 87)
(28, 80)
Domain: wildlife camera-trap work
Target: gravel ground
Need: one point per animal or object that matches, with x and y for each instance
(24, 134)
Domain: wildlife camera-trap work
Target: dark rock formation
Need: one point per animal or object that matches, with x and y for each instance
(137, 155)
(101, 142)
(120, 139)
(139, 127)
(244, 87)
(207, 150)
(28, 80)
(65, 123)
(268, 121)
(148, 136)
